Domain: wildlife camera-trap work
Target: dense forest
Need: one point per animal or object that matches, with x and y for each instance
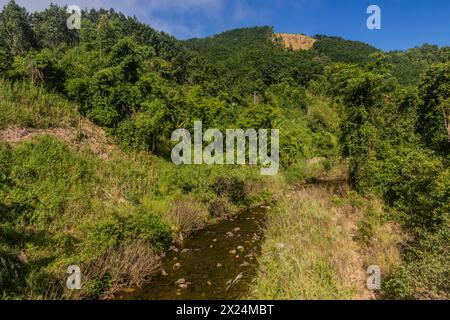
(381, 118)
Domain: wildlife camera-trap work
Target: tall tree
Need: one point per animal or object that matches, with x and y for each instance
(434, 111)
(15, 29)
(50, 27)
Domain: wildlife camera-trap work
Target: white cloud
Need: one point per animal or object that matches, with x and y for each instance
(178, 6)
(185, 6)
(33, 5)
(183, 18)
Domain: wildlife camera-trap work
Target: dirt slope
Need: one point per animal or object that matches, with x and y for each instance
(94, 139)
(295, 41)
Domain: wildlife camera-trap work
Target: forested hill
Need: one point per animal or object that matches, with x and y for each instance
(343, 108)
(247, 46)
(254, 55)
(221, 46)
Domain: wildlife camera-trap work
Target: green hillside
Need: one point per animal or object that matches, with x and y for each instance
(85, 174)
(341, 50)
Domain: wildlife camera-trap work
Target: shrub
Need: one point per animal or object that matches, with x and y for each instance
(399, 285)
(123, 230)
(186, 216)
(5, 162)
(12, 272)
(119, 268)
(425, 273)
(233, 188)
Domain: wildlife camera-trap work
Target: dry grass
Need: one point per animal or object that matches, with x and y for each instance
(115, 271)
(130, 266)
(311, 251)
(187, 216)
(93, 140)
(378, 239)
(275, 186)
(220, 207)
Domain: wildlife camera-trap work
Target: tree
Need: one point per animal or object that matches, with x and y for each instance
(368, 127)
(107, 34)
(128, 56)
(5, 58)
(434, 110)
(50, 27)
(15, 29)
(142, 129)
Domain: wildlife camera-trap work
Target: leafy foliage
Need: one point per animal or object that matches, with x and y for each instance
(387, 113)
(345, 51)
(388, 158)
(15, 29)
(434, 110)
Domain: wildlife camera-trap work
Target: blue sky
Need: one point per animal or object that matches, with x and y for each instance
(405, 23)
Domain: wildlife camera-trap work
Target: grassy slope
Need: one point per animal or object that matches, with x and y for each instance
(319, 245)
(61, 206)
(30, 106)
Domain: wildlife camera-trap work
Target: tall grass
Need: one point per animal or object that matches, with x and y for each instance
(62, 207)
(310, 251)
(26, 105)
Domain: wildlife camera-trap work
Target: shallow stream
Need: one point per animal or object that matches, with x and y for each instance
(219, 262)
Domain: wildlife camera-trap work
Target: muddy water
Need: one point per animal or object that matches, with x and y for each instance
(219, 262)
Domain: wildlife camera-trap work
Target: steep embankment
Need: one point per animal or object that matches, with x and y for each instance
(69, 201)
(319, 244)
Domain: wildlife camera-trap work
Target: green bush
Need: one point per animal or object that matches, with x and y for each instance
(425, 272)
(124, 230)
(25, 105)
(233, 188)
(12, 272)
(5, 162)
(97, 287)
(399, 286)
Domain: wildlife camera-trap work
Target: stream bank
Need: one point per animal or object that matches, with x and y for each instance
(216, 263)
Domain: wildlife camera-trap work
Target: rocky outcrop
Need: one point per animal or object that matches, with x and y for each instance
(295, 41)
